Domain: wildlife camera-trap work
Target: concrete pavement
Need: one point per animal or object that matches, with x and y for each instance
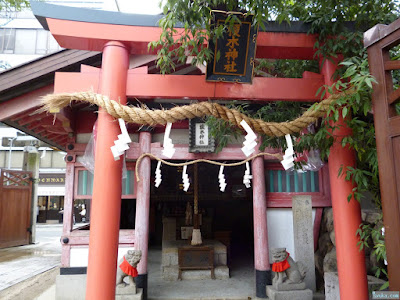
(26, 272)
(29, 273)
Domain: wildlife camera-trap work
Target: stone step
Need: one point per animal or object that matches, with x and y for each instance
(171, 273)
(289, 295)
(207, 298)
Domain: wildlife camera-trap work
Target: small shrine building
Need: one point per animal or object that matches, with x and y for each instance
(125, 212)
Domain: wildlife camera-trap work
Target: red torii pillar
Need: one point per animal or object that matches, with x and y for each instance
(107, 183)
(261, 250)
(346, 215)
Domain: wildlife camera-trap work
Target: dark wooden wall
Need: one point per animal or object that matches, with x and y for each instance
(379, 40)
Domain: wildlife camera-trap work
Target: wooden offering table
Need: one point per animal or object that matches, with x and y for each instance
(196, 258)
(180, 260)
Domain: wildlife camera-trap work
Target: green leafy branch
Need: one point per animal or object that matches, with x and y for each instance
(371, 236)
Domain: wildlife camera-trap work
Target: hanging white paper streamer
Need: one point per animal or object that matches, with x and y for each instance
(158, 175)
(249, 143)
(185, 179)
(169, 149)
(221, 178)
(247, 176)
(288, 159)
(121, 145)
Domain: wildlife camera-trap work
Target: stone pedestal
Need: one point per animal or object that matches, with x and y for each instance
(273, 294)
(137, 296)
(125, 289)
(289, 286)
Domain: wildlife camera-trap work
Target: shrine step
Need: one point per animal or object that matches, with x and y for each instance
(205, 298)
(273, 294)
(171, 273)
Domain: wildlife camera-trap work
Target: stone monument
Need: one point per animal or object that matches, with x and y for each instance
(303, 232)
(127, 268)
(288, 281)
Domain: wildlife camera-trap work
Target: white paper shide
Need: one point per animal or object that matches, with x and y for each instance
(185, 179)
(249, 143)
(247, 176)
(169, 149)
(121, 145)
(158, 175)
(288, 159)
(221, 179)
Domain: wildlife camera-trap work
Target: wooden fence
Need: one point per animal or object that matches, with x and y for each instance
(15, 207)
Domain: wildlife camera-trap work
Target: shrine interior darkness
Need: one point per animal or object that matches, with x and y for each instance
(228, 213)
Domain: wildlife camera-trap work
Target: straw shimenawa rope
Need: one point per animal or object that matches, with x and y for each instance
(276, 155)
(145, 116)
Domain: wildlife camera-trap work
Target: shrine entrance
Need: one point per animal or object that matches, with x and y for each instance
(226, 225)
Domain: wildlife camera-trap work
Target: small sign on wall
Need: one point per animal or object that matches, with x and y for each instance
(200, 139)
(52, 179)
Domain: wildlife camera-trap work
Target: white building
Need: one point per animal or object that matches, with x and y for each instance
(23, 39)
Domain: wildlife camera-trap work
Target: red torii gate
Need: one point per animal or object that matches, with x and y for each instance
(118, 36)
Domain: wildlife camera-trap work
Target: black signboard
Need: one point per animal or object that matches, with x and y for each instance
(52, 179)
(236, 50)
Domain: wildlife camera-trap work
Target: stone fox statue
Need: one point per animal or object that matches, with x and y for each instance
(127, 267)
(284, 264)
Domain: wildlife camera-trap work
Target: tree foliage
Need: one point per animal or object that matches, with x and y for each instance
(187, 24)
(13, 5)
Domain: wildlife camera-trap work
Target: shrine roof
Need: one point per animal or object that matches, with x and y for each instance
(88, 29)
(40, 72)
(22, 87)
(43, 10)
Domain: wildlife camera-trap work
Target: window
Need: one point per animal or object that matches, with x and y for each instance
(41, 42)
(280, 181)
(55, 203)
(281, 186)
(52, 44)
(25, 41)
(81, 211)
(45, 42)
(7, 40)
(85, 183)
